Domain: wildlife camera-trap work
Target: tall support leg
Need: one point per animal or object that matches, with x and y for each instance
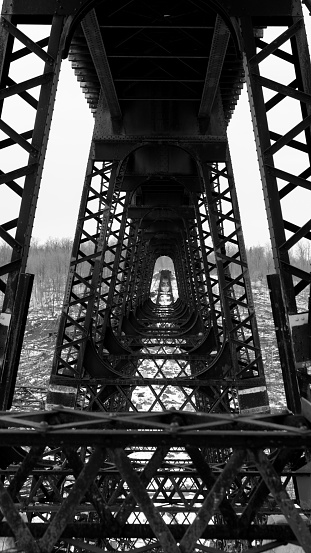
(284, 344)
(200, 274)
(184, 282)
(144, 274)
(20, 174)
(88, 271)
(192, 296)
(129, 255)
(281, 118)
(138, 253)
(234, 290)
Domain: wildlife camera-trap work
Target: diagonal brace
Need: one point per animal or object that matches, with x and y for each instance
(157, 524)
(212, 501)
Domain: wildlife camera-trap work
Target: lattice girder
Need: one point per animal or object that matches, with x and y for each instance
(23, 151)
(284, 162)
(120, 484)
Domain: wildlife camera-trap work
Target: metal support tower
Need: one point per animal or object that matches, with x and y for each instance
(164, 441)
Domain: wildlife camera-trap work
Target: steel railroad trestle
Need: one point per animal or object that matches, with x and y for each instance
(157, 434)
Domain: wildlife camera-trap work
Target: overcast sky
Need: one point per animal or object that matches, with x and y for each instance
(68, 149)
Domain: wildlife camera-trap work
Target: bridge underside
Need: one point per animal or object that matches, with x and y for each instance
(157, 434)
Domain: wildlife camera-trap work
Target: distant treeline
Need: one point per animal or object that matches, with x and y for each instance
(260, 260)
(49, 263)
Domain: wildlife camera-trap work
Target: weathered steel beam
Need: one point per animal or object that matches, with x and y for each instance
(67, 509)
(215, 64)
(275, 485)
(92, 530)
(97, 50)
(212, 501)
(141, 496)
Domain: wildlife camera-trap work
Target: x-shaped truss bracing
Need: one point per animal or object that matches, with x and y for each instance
(168, 497)
(134, 472)
(23, 145)
(280, 105)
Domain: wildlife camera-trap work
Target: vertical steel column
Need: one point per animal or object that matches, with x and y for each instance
(146, 275)
(137, 253)
(86, 280)
(284, 156)
(25, 166)
(234, 289)
(200, 277)
(183, 265)
(117, 245)
(128, 268)
(282, 331)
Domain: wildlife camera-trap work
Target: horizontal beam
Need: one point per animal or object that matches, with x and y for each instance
(207, 147)
(138, 429)
(155, 56)
(142, 438)
(172, 80)
(168, 27)
(90, 530)
(281, 8)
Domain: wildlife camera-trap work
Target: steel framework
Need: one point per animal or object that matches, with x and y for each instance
(164, 441)
(86, 483)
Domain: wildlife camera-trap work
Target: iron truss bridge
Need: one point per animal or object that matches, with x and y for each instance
(157, 433)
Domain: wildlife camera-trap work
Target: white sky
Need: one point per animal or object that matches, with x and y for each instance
(66, 159)
(68, 149)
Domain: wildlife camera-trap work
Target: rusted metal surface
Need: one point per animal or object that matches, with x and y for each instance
(23, 536)
(275, 485)
(68, 507)
(118, 493)
(212, 501)
(138, 490)
(146, 475)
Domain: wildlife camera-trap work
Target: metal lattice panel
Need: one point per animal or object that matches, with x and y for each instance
(113, 484)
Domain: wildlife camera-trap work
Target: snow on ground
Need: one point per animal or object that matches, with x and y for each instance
(39, 344)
